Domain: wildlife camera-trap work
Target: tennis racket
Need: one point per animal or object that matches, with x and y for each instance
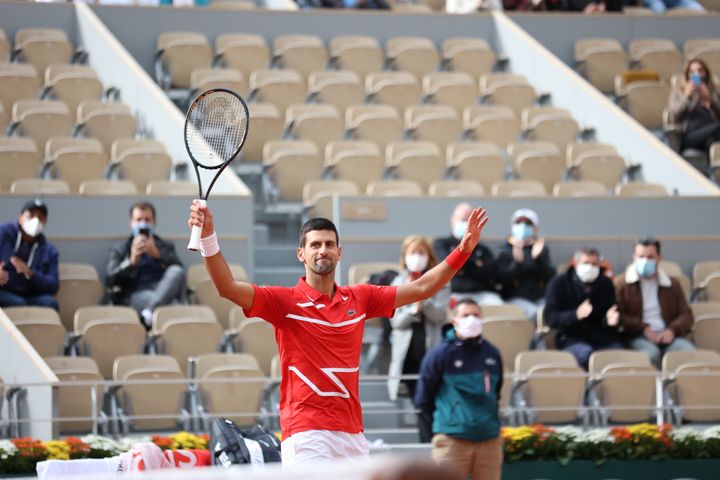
(216, 127)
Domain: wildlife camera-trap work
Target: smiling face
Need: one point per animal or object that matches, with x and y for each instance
(320, 252)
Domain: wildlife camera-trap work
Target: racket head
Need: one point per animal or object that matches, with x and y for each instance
(216, 127)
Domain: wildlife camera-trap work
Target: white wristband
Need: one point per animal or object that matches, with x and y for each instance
(209, 246)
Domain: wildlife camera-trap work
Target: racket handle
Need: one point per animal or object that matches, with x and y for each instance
(194, 243)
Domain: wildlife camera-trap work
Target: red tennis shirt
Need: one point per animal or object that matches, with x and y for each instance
(319, 341)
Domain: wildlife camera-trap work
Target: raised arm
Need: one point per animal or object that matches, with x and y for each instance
(240, 293)
(436, 278)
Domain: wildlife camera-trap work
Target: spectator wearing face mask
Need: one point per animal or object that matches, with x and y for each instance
(144, 270)
(416, 327)
(476, 279)
(654, 314)
(524, 266)
(580, 305)
(458, 395)
(28, 262)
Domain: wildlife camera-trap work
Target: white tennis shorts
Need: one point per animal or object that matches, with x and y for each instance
(322, 446)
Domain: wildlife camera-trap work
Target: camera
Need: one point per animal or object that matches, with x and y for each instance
(144, 231)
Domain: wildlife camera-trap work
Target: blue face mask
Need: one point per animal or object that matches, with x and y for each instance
(522, 231)
(459, 229)
(139, 226)
(645, 267)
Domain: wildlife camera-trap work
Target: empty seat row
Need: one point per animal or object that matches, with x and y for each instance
(39, 47)
(44, 186)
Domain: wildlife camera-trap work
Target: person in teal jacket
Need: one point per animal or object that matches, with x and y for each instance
(458, 394)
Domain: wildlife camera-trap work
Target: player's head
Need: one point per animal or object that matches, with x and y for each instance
(319, 246)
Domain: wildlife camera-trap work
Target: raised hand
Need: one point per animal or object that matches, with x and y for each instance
(537, 247)
(202, 217)
(613, 316)
(476, 222)
(584, 310)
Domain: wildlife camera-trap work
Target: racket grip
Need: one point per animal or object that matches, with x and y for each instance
(195, 233)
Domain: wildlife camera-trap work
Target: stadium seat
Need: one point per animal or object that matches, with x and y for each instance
(206, 294)
(692, 379)
(510, 335)
(106, 121)
(41, 327)
(76, 401)
(549, 380)
(281, 88)
(141, 161)
(507, 89)
(455, 188)
(4, 118)
(185, 188)
(41, 47)
(203, 79)
(267, 125)
(658, 54)
(303, 53)
(622, 378)
(599, 60)
(257, 337)
(394, 188)
(539, 161)
(361, 272)
(232, 5)
(399, 89)
(76, 160)
(198, 273)
(317, 123)
(318, 196)
(603, 166)
(341, 88)
(549, 124)
(456, 89)
(80, 286)
(580, 188)
(421, 162)
(646, 102)
(519, 188)
(376, 123)
(439, 124)
(704, 269)
(72, 84)
(706, 329)
(178, 54)
(108, 332)
(358, 161)
(497, 124)
(242, 51)
(641, 189)
(289, 164)
(41, 119)
(480, 162)
(706, 49)
(416, 55)
(503, 311)
(149, 399)
(4, 47)
(39, 186)
(183, 331)
(358, 53)
(17, 81)
(236, 398)
(107, 187)
(19, 158)
(470, 55)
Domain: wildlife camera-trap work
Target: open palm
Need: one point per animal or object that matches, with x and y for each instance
(476, 222)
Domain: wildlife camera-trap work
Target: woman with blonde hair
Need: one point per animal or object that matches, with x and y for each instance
(695, 107)
(416, 327)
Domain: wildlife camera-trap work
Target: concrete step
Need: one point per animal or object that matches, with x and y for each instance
(392, 435)
(373, 391)
(282, 276)
(381, 415)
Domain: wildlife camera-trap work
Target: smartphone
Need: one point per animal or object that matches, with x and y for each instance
(696, 79)
(144, 231)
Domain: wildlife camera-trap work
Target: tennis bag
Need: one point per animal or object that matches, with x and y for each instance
(231, 445)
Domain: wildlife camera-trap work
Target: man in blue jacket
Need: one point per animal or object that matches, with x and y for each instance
(459, 393)
(28, 262)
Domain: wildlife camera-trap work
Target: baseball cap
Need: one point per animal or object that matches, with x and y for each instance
(526, 213)
(36, 204)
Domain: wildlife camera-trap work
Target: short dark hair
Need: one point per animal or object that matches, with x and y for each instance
(143, 206)
(464, 301)
(649, 242)
(589, 251)
(317, 223)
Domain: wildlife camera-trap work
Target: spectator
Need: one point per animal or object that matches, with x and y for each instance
(28, 262)
(477, 278)
(524, 266)
(416, 327)
(578, 305)
(144, 271)
(653, 311)
(694, 105)
(458, 394)
(662, 6)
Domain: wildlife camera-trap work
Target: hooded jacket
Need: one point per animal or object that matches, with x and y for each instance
(43, 263)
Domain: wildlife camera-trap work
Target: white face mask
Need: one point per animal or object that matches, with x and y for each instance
(32, 227)
(416, 262)
(587, 272)
(469, 327)
(459, 229)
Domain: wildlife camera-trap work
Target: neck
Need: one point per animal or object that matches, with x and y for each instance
(324, 284)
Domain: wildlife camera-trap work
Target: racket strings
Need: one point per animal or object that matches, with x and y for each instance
(216, 128)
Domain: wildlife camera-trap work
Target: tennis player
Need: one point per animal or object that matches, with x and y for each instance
(319, 330)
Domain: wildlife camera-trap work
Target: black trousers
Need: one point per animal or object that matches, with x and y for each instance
(702, 138)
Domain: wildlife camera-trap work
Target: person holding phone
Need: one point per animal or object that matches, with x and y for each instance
(695, 107)
(144, 271)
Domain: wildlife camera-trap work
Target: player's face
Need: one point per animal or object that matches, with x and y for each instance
(321, 252)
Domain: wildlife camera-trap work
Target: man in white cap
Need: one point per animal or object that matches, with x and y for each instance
(524, 266)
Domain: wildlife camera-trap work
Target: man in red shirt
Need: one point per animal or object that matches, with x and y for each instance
(319, 329)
